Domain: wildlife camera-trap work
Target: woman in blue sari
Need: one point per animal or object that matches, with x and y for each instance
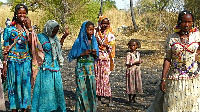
(85, 50)
(48, 92)
(17, 59)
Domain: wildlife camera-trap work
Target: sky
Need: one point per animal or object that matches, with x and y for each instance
(124, 4)
(121, 4)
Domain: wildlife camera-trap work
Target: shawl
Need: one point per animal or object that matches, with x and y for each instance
(55, 43)
(81, 44)
(107, 37)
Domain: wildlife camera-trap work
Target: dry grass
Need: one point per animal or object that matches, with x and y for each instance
(148, 34)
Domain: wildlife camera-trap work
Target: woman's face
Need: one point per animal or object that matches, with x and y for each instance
(55, 31)
(104, 24)
(90, 31)
(21, 15)
(186, 22)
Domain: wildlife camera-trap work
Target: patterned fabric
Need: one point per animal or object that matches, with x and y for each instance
(105, 63)
(133, 74)
(183, 64)
(19, 68)
(86, 85)
(55, 43)
(2, 101)
(102, 69)
(48, 92)
(81, 44)
(85, 77)
(183, 81)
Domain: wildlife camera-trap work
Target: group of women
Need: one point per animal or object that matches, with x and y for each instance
(31, 60)
(94, 50)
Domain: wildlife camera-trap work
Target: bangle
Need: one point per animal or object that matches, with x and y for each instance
(4, 62)
(30, 32)
(163, 79)
(30, 29)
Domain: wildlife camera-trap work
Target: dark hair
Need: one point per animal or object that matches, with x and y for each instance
(181, 14)
(136, 41)
(88, 24)
(17, 7)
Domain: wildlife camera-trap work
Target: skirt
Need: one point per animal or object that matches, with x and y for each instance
(48, 92)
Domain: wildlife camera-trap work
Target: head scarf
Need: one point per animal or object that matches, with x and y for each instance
(109, 29)
(55, 44)
(81, 44)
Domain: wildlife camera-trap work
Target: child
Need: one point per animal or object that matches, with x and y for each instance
(85, 50)
(133, 73)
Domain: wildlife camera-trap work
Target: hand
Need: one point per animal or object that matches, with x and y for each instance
(6, 50)
(86, 53)
(67, 31)
(27, 23)
(140, 61)
(162, 85)
(94, 52)
(4, 72)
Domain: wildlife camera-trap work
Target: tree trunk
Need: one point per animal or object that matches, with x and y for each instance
(100, 11)
(132, 15)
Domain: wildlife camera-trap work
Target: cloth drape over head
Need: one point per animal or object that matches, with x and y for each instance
(55, 43)
(81, 44)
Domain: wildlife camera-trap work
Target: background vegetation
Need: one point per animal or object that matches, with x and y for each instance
(153, 17)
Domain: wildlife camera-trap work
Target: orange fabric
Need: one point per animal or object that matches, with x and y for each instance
(102, 36)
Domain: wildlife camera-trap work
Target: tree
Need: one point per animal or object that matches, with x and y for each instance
(132, 15)
(193, 6)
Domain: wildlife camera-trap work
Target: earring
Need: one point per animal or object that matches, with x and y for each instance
(16, 16)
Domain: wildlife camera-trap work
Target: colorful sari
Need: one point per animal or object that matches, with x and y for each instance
(85, 76)
(105, 63)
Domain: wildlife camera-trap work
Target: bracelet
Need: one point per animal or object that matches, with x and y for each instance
(163, 79)
(30, 29)
(4, 62)
(30, 32)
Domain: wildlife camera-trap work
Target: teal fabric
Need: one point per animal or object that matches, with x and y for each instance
(48, 92)
(86, 85)
(19, 68)
(20, 52)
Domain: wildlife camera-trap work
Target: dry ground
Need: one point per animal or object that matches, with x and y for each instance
(152, 56)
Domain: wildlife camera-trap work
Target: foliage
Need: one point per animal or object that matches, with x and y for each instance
(68, 12)
(193, 6)
(153, 5)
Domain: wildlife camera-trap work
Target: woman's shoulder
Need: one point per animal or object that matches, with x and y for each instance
(41, 37)
(128, 52)
(10, 28)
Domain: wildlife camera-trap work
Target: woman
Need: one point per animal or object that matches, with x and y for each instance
(85, 50)
(17, 56)
(48, 92)
(181, 84)
(105, 63)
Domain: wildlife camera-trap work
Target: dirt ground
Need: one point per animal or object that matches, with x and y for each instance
(152, 56)
(151, 71)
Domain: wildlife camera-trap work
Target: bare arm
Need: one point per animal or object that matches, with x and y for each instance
(64, 36)
(166, 66)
